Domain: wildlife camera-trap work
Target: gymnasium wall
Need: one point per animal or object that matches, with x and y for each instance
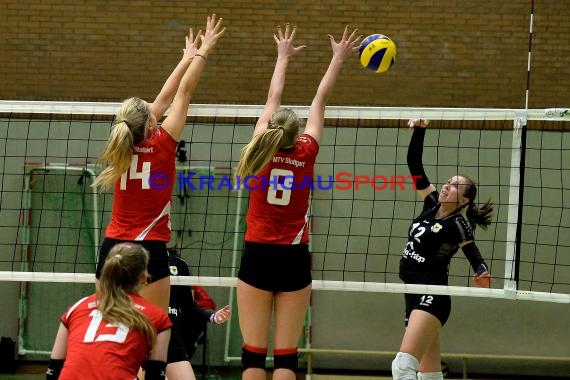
(453, 53)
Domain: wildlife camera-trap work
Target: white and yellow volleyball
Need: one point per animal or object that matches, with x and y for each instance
(377, 53)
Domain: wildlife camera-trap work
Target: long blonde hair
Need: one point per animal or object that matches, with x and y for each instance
(281, 131)
(129, 129)
(121, 274)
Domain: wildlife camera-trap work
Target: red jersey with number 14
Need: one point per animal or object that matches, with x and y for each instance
(98, 350)
(279, 196)
(143, 194)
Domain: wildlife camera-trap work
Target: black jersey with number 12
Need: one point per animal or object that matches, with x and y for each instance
(431, 244)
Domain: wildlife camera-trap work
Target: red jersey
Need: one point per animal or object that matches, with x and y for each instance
(279, 196)
(143, 194)
(100, 351)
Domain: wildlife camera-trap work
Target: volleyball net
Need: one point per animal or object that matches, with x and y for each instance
(362, 204)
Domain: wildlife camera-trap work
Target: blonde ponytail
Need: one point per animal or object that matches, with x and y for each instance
(281, 132)
(117, 155)
(121, 275)
(259, 151)
(130, 129)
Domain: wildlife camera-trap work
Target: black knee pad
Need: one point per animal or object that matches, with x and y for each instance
(286, 360)
(250, 359)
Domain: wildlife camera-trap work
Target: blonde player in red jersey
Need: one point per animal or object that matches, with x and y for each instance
(141, 163)
(277, 165)
(110, 334)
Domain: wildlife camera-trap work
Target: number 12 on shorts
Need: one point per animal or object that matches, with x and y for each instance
(426, 300)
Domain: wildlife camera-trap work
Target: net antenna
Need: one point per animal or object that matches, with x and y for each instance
(517, 176)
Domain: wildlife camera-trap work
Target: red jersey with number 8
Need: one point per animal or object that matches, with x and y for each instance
(143, 194)
(100, 350)
(279, 196)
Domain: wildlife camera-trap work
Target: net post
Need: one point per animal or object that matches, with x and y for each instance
(23, 286)
(94, 194)
(512, 254)
(309, 365)
(236, 249)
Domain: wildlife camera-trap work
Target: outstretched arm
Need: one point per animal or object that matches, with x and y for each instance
(415, 153)
(166, 94)
(176, 119)
(341, 50)
(285, 50)
(482, 278)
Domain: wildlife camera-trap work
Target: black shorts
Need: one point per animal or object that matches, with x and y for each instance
(438, 306)
(192, 333)
(276, 267)
(158, 267)
(176, 350)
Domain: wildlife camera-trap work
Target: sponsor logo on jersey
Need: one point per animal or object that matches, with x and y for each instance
(436, 228)
(144, 149)
(414, 256)
(289, 161)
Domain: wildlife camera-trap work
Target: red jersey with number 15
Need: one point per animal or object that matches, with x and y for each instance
(279, 196)
(98, 350)
(143, 194)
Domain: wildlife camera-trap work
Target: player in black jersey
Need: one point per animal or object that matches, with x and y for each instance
(433, 238)
(183, 311)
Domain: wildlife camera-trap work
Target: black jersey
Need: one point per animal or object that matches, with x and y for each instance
(431, 244)
(188, 319)
(182, 305)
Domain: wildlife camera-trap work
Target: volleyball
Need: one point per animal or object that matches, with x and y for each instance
(377, 53)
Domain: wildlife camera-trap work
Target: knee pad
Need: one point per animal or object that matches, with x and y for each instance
(286, 358)
(253, 357)
(404, 367)
(430, 375)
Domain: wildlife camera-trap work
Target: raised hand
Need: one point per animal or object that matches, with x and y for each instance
(420, 123)
(214, 31)
(284, 41)
(192, 44)
(349, 43)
